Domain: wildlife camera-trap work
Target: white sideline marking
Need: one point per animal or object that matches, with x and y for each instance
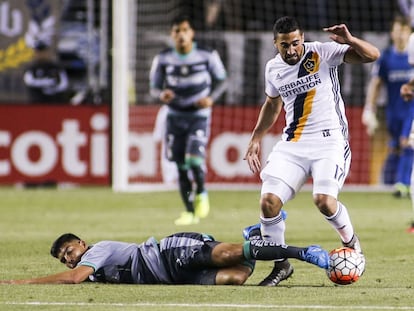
(215, 305)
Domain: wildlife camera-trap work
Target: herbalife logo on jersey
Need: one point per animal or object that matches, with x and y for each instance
(301, 85)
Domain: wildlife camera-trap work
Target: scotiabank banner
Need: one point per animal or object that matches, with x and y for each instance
(41, 144)
(66, 144)
(230, 134)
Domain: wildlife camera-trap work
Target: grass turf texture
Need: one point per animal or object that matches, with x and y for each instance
(31, 220)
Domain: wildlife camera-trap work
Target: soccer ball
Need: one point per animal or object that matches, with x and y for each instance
(345, 266)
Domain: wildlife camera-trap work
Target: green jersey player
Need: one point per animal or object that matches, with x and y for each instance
(188, 79)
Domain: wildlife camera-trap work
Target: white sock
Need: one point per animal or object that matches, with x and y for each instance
(273, 229)
(341, 222)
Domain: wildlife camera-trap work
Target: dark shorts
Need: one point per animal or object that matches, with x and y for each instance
(187, 257)
(186, 135)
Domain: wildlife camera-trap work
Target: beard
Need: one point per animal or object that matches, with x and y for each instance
(291, 59)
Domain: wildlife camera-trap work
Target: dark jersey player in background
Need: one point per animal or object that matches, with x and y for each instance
(46, 80)
(181, 258)
(188, 79)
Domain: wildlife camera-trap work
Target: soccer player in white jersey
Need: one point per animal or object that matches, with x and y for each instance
(303, 79)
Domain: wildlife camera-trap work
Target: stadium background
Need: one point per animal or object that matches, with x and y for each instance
(72, 144)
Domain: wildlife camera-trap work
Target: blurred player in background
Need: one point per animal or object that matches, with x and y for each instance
(182, 258)
(391, 71)
(188, 79)
(45, 79)
(303, 79)
(407, 93)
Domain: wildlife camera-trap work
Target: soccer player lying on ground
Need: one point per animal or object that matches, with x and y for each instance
(181, 258)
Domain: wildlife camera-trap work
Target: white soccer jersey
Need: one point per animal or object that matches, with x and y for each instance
(310, 91)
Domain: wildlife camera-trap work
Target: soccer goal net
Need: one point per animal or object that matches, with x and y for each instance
(241, 32)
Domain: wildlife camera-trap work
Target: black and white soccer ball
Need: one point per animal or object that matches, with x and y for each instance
(345, 266)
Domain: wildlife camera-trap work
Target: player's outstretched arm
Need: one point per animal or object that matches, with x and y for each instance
(74, 276)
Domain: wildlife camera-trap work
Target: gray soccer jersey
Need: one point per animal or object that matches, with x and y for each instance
(181, 258)
(120, 262)
(190, 76)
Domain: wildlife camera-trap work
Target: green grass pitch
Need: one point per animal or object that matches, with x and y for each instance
(30, 220)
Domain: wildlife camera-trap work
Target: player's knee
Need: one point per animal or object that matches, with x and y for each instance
(270, 205)
(183, 176)
(227, 256)
(235, 278)
(240, 278)
(325, 203)
(183, 168)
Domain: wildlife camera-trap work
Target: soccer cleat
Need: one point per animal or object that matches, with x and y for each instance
(252, 232)
(187, 218)
(356, 245)
(201, 205)
(281, 271)
(401, 191)
(316, 255)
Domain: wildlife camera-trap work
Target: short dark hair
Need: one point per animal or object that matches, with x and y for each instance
(404, 21)
(181, 19)
(60, 241)
(285, 24)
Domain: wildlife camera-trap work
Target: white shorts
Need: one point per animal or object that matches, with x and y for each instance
(290, 164)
